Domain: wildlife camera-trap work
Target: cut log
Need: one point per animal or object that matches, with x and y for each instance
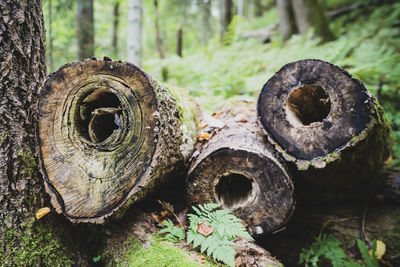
(235, 168)
(326, 122)
(108, 133)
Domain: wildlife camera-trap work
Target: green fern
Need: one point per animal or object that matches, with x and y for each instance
(227, 228)
(230, 34)
(172, 233)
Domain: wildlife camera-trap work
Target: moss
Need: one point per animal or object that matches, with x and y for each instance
(3, 137)
(33, 244)
(28, 161)
(158, 254)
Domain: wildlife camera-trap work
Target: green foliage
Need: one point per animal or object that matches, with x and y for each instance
(226, 228)
(329, 248)
(157, 254)
(230, 34)
(172, 233)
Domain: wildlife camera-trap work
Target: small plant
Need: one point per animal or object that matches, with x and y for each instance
(172, 233)
(225, 228)
(213, 229)
(329, 247)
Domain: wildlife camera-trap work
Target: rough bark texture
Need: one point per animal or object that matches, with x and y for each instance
(287, 22)
(310, 14)
(24, 241)
(134, 32)
(235, 168)
(84, 15)
(109, 134)
(327, 123)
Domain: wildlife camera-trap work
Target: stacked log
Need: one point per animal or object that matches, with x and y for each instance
(108, 133)
(327, 123)
(234, 168)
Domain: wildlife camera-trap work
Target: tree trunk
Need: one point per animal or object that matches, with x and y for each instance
(327, 123)
(207, 22)
(287, 23)
(85, 28)
(159, 41)
(24, 241)
(235, 168)
(258, 8)
(115, 27)
(108, 135)
(134, 32)
(309, 14)
(179, 41)
(240, 8)
(225, 9)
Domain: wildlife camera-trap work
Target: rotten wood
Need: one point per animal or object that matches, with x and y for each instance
(108, 134)
(327, 124)
(233, 167)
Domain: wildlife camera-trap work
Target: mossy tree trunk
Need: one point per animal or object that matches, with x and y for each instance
(23, 240)
(235, 168)
(328, 124)
(108, 135)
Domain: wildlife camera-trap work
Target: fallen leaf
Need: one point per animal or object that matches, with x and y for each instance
(156, 217)
(388, 160)
(201, 259)
(205, 229)
(166, 206)
(216, 114)
(204, 136)
(164, 213)
(380, 249)
(41, 212)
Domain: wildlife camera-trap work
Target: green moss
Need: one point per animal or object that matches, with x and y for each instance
(3, 137)
(33, 244)
(159, 254)
(28, 160)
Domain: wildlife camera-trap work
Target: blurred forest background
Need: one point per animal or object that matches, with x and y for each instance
(219, 49)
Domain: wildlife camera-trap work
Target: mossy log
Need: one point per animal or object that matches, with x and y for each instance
(235, 168)
(108, 133)
(326, 122)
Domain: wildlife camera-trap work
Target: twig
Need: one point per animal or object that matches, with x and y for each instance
(332, 221)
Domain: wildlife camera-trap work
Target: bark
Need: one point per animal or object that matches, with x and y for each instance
(207, 22)
(159, 41)
(85, 33)
(115, 27)
(240, 11)
(134, 32)
(258, 8)
(287, 22)
(235, 168)
(326, 123)
(25, 241)
(108, 135)
(225, 9)
(310, 14)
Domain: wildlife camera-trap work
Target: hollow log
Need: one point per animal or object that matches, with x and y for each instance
(327, 123)
(235, 168)
(108, 133)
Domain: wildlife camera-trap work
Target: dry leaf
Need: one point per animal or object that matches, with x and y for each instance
(164, 213)
(166, 206)
(380, 249)
(204, 136)
(43, 211)
(201, 259)
(388, 160)
(205, 229)
(216, 114)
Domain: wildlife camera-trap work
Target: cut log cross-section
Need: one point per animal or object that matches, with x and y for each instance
(108, 133)
(327, 122)
(234, 168)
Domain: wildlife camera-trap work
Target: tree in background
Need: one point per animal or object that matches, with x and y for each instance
(225, 9)
(301, 15)
(134, 29)
(206, 20)
(84, 14)
(159, 41)
(116, 5)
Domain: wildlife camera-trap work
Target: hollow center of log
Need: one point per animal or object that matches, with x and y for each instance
(308, 104)
(98, 114)
(233, 189)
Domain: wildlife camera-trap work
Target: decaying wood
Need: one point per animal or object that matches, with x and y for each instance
(235, 168)
(108, 133)
(263, 35)
(327, 123)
